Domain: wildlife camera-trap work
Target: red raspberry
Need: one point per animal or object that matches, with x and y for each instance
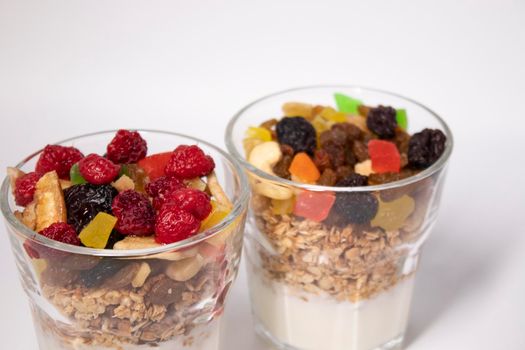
(162, 187)
(98, 170)
(191, 200)
(62, 232)
(127, 147)
(59, 158)
(173, 225)
(25, 188)
(134, 213)
(188, 162)
(31, 251)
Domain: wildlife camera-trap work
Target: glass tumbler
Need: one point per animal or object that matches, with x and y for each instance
(323, 285)
(142, 297)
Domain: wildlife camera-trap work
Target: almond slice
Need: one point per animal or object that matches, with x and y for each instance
(50, 204)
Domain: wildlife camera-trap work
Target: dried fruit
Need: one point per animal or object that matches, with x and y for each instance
(304, 168)
(355, 207)
(104, 269)
(298, 133)
(61, 232)
(322, 160)
(382, 121)
(351, 131)
(343, 171)
(283, 207)
(259, 133)
(191, 200)
(123, 277)
(50, 205)
(127, 147)
(188, 162)
(364, 168)
(165, 291)
(353, 180)
(98, 170)
(383, 178)
(392, 215)
(336, 152)
(297, 109)
(425, 148)
(360, 151)
(314, 205)
(25, 187)
(401, 118)
(161, 187)
(347, 104)
(173, 224)
(328, 178)
(154, 165)
(384, 156)
(134, 212)
(401, 140)
(58, 158)
(217, 215)
(331, 115)
(83, 202)
(281, 168)
(75, 177)
(96, 233)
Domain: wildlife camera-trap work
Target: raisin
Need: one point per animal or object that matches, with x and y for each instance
(322, 160)
(287, 150)
(360, 151)
(383, 178)
(336, 136)
(382, 121)
(328, 178)
(350, 158)
(343, 171)
(356, 207)
(425, 148)
(401, 140)
(352, 132)
(281, 168)
(104, 269)
(336, 153)
(84, 202)
(353, 180)
(298, 133)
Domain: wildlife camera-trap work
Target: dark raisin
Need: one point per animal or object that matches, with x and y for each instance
(353, 180)
(114, 237)
(281, 168)
(352, 132)
(336, 136)
(383, 178)
(343, 171)
(350, 158)
(360, 150)
(104, 269)
(84, 202)
(425, 148)
(356, 207)
(401, 140)
(336, 153)
(298, 133)
(328, 178)
(322, 159)
(382, 121)
(287, 150)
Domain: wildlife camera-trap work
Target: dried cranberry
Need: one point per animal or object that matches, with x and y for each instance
(191, 200)
(134, 213)
(189, 162)
(25, 188)
(173, 224)
(382, 121)
(161, 187)
(61, 232)
(59, 158)
(98, 170)
(127, 147)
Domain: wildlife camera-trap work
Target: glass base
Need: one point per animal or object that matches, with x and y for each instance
(393, 344)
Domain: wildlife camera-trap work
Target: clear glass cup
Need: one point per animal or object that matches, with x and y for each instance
(323, 285)
(168, 297)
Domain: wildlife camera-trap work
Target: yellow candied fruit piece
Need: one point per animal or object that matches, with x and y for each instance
(218, 213)
(96, 233)
(283, 207)
(298, 109)
(320, 124)
(258, 133)
(392, 215)
(332, 115)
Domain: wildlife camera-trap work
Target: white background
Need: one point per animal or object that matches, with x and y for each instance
(71, 67)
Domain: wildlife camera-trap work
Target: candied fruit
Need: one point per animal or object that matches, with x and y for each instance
(347, 104)
(155, 164)
(384, 156)
(401, 118)
(97, 232)
(304, 168)
(392, 215)
(314, 205)
(258, 133)
(217, 215)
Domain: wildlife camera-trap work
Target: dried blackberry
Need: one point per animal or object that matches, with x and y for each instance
(353, 180)
(355, 207)
(382, 121)
(104, 269)
(425, 148)
(84, 202)
(298, 133)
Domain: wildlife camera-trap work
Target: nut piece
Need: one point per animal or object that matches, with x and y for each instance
(50, 204)
(217, 191)
(141, 276)
(123, 277)
(364, 168)
(124, 183)
(136, 242)
(184, 270)
(165, 291)
(28, 216)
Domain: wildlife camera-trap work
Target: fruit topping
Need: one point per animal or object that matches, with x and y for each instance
(304, 169)
(83, 202)
(392, 215)
(173, 224)
(75, 177)
(259, 133)
(188, 162)
(364, 168)
(25, 187)
(96, 233)
(58, 158)
(161, 187)
(347, 104)
(50, 206)
(127, 147)
(154, 165)
(134, 212)
(191, 200)
(353, 180)
(401, 118)
(384, 156)
(425, 148)
(61, 232)
(314, 205)
(217, 215)
(382, 121)
(298, 133)
(123, 183)
(355, 207)
(297, 109)
(104, 269)
(98, 170)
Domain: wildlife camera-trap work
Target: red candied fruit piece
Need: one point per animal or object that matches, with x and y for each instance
(384, 156)
(314, 205)
(188, 162)
(134, 213)
(25, 188)
(59, 158)
(127, 147)
(154, 165)
(191, 200)
(160, 188)
(173, 224)
(98, 170)
(62, 232)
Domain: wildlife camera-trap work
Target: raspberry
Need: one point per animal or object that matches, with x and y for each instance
(98, 170)
(134, 213)
(127, 147)
(59, 158)
(25, 188)
(161, 187)
(61, 232)
(188, 162)
(382, 121)
(191, 200)
(174, 224)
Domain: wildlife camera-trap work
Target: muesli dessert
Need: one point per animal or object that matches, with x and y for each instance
(331, 268)
(126, 200)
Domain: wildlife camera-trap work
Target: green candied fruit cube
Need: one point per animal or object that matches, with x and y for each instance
(347, 104)
(75, 176)
(401, 117)
(97, 232)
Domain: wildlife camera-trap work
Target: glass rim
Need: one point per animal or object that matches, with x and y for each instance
(239, 206)
(438, 165)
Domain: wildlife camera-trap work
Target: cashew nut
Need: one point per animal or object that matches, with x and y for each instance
(138, 242)
(184, 270)
(364, 168)
(141, 275)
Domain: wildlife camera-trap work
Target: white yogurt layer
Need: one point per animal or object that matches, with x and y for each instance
(322, 323)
